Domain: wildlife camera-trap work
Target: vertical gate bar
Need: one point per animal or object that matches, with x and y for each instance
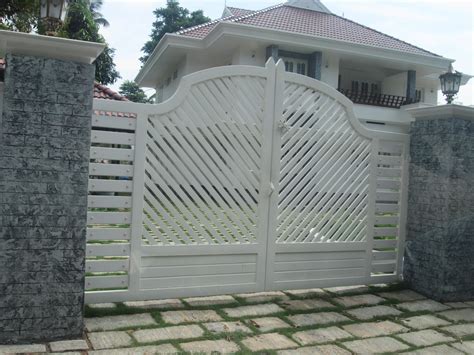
(403, 207)
(371, 209)
(264, 193)
(137, 203)
(274, 178)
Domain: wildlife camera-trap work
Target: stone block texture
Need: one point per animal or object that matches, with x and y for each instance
(44, 157)
(440, 228)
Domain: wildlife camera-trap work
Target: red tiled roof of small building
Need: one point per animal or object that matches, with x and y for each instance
(103, 92)
(308, 22)
(237, 12)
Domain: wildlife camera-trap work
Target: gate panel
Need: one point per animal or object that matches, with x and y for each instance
(327, 167)
(204, 209)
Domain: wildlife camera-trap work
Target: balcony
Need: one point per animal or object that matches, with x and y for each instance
(381, 100)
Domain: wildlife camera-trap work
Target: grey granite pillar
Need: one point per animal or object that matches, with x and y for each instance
(411, 86)
(44, 158)
(439, 256)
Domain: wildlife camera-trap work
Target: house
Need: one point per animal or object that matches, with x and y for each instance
(371, 68)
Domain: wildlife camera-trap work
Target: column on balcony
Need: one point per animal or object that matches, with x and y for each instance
(314, 65)
(411, 86)
(272, 52)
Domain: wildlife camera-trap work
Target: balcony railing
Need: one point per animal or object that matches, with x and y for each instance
(382, 100)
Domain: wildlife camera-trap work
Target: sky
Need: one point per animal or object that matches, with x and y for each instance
(443, 27)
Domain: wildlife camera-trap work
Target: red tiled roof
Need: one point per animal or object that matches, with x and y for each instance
(103, 92)
(287, 18)
(237, 12)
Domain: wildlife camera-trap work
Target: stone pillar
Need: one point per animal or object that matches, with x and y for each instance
(44, 158)
(440, 230)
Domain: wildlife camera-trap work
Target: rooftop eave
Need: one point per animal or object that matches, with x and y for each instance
(284, 37)
(49, 47)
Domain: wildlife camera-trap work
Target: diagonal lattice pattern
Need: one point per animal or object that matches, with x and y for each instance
(203, 165)
(324, 171)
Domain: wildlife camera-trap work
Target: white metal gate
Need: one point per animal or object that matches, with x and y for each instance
(248, 179)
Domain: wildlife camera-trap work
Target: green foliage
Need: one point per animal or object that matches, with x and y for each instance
(80, 24)
(132, 91)
(19, 15)
(169, 19)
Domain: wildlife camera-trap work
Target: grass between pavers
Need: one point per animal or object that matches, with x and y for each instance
(238, 337)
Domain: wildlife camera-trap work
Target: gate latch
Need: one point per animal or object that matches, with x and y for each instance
(283, 126)
(272, 189)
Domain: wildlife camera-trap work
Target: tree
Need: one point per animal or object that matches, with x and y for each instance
(132, 91)
(80, 24)
(169, 19)
(19, 15)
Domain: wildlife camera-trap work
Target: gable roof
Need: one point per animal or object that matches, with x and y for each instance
(288, 18)
(237, 12)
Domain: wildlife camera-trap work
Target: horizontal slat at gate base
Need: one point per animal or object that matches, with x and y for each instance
(248, 179)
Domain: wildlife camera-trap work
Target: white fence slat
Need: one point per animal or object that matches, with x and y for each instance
(122, 249)
(93, 282)
(384, 220)
(124, 123)
(389, 172)
(387, 208)
(382, 232)
(108, 234)
(97, 169)
(388, 184)
(384, 267)
(106, 137)
(109, 218)
(121, 154)
(385, 244)
(107, 265)
(384, 255)
(387, 196)
(108, 185)
(109, 202)
(389, 160)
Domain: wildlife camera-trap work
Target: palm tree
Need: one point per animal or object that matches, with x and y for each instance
(95, 6)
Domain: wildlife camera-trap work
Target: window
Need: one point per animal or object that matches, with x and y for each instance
(294, 65)
(355, 86)
(420, 95)
(365, 88)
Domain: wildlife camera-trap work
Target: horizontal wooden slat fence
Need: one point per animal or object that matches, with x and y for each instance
(248, 179)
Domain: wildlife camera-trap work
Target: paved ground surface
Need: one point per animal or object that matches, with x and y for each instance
(335, 321)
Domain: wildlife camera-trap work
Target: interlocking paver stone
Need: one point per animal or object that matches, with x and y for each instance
(347, 289)
(109, 340)
(142, 350)
(436, 350)
(263, 296)
(209, 301)
(375, 345)
(465, 315)
(210, 346)
(366, 313)
(424, 322)
(257, 310)
(457, 304)
(301, 320)
(227, 327)
(156, 304)
(359, 300)
(321, 335)
(268, 324)
(425, 337)
(68, 345)
(403, 295)
(307, 292)
(168, 333)
(374, 329)
(19, 349)
(316, 350)
(422, 305)
(466, 346)
(271, 341)
(308, 304)
(460, 330)
(117, 322)
(177, 317)
(103, 305)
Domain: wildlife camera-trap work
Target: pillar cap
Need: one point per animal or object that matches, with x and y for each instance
(49, 47)
(442, 112)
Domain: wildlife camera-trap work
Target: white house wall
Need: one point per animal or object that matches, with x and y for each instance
(330, 70)
(395, 84)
